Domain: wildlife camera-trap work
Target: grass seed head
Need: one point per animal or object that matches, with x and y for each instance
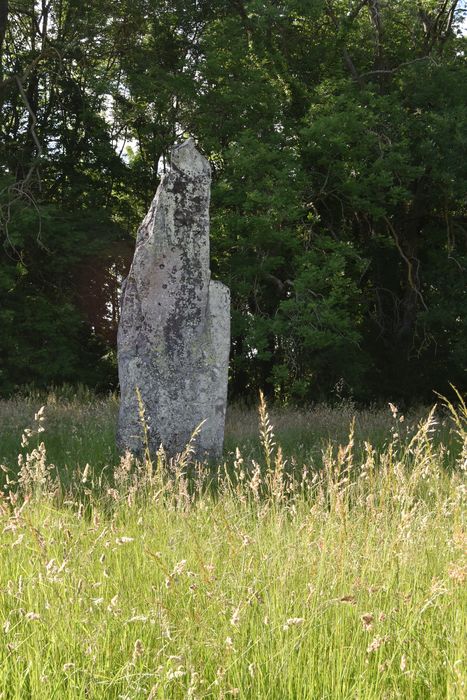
(138, 650)
(293, 622)
(367, 620)
(376, 644)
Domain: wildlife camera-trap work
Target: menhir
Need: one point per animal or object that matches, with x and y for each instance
(174, 331)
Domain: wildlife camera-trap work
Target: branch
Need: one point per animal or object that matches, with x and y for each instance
(409, 263)
(451, 15)
(351, 66)
(31, 128)
(19, 190)
(433, 23)
(14, 77)
(376, 19)
(401, 65)
(350, 17)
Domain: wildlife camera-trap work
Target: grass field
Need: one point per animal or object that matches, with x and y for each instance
(324, 558)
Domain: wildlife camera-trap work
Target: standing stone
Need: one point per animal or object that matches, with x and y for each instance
(174, 331)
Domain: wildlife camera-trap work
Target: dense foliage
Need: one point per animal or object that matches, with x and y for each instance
(337, 133)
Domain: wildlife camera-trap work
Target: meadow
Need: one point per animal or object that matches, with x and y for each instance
(323, 558)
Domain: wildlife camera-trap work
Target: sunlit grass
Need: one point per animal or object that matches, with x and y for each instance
(339, 573)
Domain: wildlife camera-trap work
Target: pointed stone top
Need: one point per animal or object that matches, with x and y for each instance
(188, 160)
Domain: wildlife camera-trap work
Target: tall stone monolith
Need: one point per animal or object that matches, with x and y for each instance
(174, 331)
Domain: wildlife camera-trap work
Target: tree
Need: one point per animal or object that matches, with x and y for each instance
(60, 207)
(336, 131)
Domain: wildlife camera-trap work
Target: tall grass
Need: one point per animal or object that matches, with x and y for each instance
(81, 430)
(267, 576)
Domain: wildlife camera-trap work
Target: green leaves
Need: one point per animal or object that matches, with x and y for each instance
(336, 131)
(321, 319)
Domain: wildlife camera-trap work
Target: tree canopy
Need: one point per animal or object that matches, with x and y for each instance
(337, 134)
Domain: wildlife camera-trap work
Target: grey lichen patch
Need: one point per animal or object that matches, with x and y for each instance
(174, 332)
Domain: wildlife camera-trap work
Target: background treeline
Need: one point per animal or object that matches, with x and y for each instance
(337, 132)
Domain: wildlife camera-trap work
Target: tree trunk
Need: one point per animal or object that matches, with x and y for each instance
(3, 26)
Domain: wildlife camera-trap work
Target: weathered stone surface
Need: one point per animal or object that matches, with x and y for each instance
(174, 332)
